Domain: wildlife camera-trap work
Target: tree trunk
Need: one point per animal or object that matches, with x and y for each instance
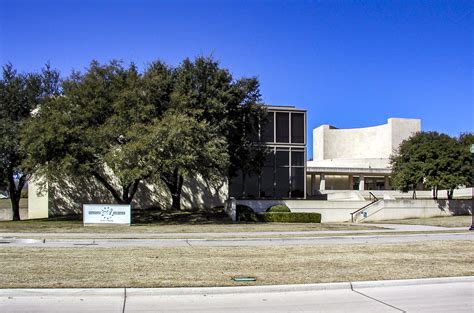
(14, 197)
(15, 192)
(450, 193)
(174, 182)
(435, 192)
(128, 192)
(15, 208)
(176, 201)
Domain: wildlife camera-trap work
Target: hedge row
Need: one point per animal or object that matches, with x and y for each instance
(289, 217)
(279, 208)
(246, 214)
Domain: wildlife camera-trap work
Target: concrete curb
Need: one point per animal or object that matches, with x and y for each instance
(234, 290)
(64, 292)
(144, 292)
(412, 282)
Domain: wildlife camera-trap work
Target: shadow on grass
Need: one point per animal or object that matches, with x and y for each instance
(150, 216)
(171, 217)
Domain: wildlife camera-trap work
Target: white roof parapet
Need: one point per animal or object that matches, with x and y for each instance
(348, 170)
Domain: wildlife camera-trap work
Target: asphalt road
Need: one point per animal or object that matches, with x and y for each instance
(431, 295)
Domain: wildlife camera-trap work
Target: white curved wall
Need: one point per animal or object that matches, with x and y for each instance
(362, 143)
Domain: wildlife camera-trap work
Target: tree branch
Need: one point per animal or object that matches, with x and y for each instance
(108, 186)
(134, 188)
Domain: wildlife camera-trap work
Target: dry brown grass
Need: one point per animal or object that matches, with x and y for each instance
(212, 266)
(445, 221)
(224, 235)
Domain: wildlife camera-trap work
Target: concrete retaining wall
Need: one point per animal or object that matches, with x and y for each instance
(421, 208)
(340, 211)
(331, 211)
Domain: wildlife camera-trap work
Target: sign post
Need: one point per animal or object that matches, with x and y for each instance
(106, 214)
(472, 196)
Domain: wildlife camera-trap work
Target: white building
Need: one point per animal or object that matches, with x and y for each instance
(356, 158)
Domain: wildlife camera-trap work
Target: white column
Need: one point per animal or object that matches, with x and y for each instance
(385, 183)
(322, 183)
(361, 182)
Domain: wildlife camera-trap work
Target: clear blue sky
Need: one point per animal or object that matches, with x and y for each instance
(349, 63)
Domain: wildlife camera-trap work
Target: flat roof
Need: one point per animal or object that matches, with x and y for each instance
(284, 108)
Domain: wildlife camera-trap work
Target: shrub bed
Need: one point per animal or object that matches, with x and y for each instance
(246, 214)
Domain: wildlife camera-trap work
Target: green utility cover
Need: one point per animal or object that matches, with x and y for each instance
(244, 278)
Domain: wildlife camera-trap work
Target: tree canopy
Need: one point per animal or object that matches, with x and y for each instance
(121, 126)
(435, 160)
(20, 96)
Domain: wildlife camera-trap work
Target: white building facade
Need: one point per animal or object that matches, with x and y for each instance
(357, 158)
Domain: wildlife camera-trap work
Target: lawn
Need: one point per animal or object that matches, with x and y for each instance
(167, 222)
(215, 266)
(45, 226)
(445, 221)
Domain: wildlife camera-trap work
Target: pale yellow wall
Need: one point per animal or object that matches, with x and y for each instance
(67, 197)
(38, 202)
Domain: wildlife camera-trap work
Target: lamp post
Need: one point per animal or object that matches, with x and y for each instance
(472, 195)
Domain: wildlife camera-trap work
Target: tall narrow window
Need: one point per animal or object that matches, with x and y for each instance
(297, 173)
(236, 187)
(251, 186)
(297, 158)
(282, 127)
(297, 182)
(267, 177)
(268, 128)
(282, 174)
(297, 127)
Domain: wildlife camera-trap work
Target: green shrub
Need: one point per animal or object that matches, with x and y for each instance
(246, 214)
(280, 208)
(277, 217)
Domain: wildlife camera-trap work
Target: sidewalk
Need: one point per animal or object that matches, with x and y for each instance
(454, 294)
(384, 228)
(393, 234)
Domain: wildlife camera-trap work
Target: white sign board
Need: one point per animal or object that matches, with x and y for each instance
(106, 214)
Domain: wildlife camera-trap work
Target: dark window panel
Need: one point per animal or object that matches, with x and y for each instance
(270, 158)
(297, 182)
(266, 183)
(252, 131)
(282, 179)
(235, 186)
(268, 129)
(297, 158)
(282, 158)
(282, 127)
(297, 127)
(251, 186)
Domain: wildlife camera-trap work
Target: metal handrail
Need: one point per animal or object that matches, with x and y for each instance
(358, 210)
(374, 196)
